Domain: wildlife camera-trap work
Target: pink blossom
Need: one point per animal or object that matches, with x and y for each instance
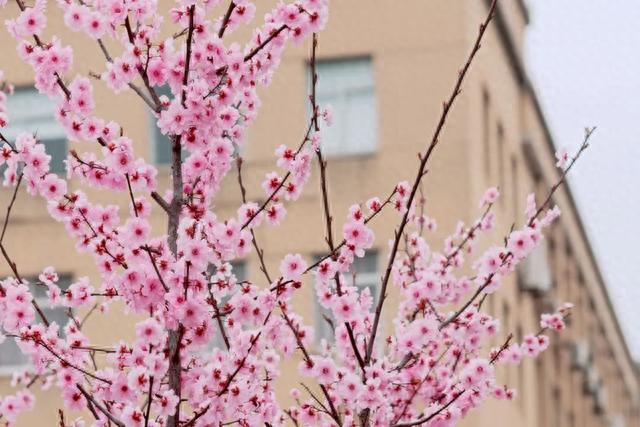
(374, 204)
(285, 157)
(520, 244)
(550, 216)
(157, 72)
(345, 307)
(10, 407)
(325, 370)
(192, 313)
(94, 25)
(79, 293)
(121, 391)
(148, 332)
(357, 235)
(292, 267)
(52, 187)
(75, 17)
(476, 372)
(490, 196)
(491, 261)
(136, 231)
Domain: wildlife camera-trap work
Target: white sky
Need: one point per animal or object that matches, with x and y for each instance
(583, 58)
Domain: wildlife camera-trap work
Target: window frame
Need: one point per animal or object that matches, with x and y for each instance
(370, 87)
(154, 130)
(56, 133)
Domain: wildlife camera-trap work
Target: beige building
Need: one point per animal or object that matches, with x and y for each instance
(386, 81)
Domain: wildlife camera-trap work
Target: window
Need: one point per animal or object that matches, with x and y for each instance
(30, 111)
(10, 355)
(347, 85)
(160, 144)
(365, 273)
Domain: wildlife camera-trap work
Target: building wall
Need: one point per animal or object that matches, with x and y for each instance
(414, 68)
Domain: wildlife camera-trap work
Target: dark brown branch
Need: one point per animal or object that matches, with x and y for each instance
(322, 408)
(225, 20)
(149, 401)
(158, 198)
(197, 416)
(218, 316)
(175, 208)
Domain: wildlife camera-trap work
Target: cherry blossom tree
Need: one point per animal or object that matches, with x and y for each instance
(434, 367)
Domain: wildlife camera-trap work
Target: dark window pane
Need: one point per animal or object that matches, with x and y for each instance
(57, 149)
(10, 354)
(160, 144)
(64, 281)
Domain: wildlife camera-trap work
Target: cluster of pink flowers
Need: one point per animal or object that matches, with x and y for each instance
(434, 363)
(556, 320)
(13, 405)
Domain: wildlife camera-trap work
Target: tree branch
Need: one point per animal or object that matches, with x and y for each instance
(174, 220)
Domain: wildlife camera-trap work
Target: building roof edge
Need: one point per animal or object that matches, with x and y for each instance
(524, 10)
(523, 78)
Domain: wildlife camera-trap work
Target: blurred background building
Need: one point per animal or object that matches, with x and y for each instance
(386, 84)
